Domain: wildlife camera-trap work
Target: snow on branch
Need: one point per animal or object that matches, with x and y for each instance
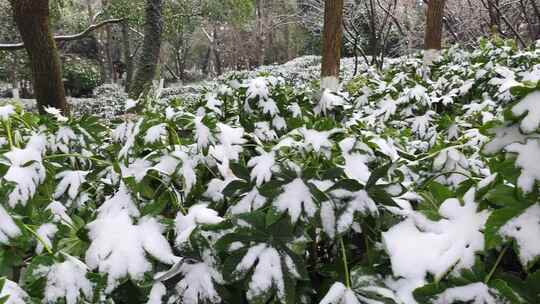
(88, 30)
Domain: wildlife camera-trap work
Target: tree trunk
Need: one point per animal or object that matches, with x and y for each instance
(434, 27)
(260, 32)
(332, 35)
(32, 19)
(149, 60)
(128, 57)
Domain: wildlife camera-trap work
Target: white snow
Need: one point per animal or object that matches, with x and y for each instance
(26, 171)
(6, 111)
(328, 102)
(119, 247)
(251, 201)
(155, 134)
(197, 215)
(528, 159)
(476, 293)
(339, 294)
(504, 136)
(268, 272)
(262, 167)
(317, 141)
(137, 169)
(203, 136)
(295, 197)
(8, 228)
(59, 212)
(72, 180)
(14, 293)
(119, 203)
(67, 281)
(257, 88)
(46, 233)
(418, 246)
(525, 229)
(197, 285)
(157, 293)
(529, 107)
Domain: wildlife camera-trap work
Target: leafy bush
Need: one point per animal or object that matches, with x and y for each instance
(81, 76)
(407, 190)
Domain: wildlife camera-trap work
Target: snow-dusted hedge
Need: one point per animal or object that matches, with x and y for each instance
(405, 189)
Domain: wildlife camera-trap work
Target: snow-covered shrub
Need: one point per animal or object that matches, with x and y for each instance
(256, 189)
(109, 101)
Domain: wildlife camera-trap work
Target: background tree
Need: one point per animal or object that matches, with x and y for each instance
(433, 32)
(331, 54)
(148, 63)
(32, 19)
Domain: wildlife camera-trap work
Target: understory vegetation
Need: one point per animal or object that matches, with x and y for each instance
(409, 185)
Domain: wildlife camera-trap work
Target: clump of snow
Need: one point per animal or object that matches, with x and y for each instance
(6, 111)
(477, 293)
(529, 107)
(67, 281)
(119, 246)
(155, 134)
(8, 228)
(525, 229)
(26, 171)
(257, 87)
(528, 161)
(251, 201)
(72, 180)
(56, 113)
(197, 215)
(14, 293)
(339, 294)
(503, 136)
(296, 197)
(157, 293)
(59, 212)
(268, 272)
(328, 102)
(45, 232)
(136, 169)
(197, 284)
(418, 246)
(262, 167)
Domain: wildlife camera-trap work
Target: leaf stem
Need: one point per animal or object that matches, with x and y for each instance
(7, 125)
(76, 155)
(345, 264)
(497, 262)
(47, 248)
(434, 154)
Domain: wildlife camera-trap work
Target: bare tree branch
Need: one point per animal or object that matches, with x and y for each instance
(88, 30)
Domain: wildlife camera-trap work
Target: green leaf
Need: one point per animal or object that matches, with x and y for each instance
(377, 174)
(234, 187)
(351, 185)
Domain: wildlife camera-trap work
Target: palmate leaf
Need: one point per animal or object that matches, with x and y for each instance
(518, 219)
(261, 257)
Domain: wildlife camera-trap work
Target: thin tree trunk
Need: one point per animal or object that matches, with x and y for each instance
(14, 78)
(149, 60)
(32, 19)
(260, 32)
(128, 57)
(332, 35)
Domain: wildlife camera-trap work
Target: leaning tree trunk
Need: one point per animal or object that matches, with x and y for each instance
(434, 27)
(332, 34)
(149, 59)
(32, 19)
